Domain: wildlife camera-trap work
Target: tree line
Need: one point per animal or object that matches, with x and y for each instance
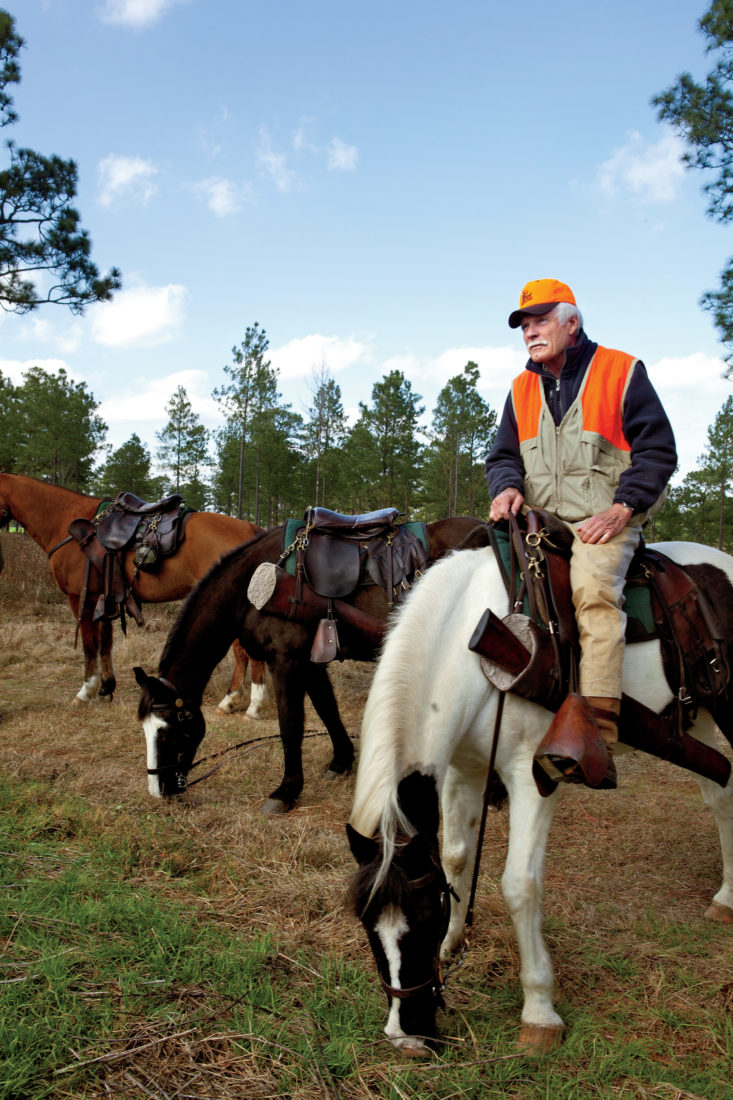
(267, 462)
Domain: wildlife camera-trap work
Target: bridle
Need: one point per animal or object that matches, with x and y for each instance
(435, 984)
(183, 714)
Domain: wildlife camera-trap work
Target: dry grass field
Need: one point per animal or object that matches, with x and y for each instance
(644, 983)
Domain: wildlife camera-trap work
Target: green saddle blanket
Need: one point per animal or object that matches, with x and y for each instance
(640, 626)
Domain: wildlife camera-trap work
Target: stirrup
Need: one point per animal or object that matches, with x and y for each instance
(563, 769)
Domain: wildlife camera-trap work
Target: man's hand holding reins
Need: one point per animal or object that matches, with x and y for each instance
(506, 503)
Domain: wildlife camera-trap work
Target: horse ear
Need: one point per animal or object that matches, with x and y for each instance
(418, 799)
(363, 848)
(140, 676)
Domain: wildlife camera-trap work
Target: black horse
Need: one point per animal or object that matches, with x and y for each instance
(217, 612)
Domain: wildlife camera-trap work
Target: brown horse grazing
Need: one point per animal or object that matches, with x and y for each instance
(220, 610)
(45, 511)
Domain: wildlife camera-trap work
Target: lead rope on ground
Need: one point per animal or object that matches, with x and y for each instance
(250, 745)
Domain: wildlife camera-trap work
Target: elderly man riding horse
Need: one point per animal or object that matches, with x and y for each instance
(584, 436)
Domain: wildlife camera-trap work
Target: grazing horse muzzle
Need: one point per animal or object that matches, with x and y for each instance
(173, 732)
(405, 909)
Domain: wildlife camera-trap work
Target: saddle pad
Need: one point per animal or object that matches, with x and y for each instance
(640, 626)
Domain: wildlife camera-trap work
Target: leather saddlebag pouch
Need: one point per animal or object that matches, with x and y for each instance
(325, 646)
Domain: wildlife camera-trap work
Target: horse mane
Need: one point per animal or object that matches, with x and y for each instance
(392, 736)
(235, 560)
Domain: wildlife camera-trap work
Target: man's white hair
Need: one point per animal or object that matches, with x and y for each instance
(563, 311)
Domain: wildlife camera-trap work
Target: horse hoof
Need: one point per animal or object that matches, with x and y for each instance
(253, 717)
(535, 1040)
(721, 913)
(411, 1047)
(331, 773)
(275, 806)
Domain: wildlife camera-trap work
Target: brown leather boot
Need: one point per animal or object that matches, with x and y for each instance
(574, 749)
(605, 714)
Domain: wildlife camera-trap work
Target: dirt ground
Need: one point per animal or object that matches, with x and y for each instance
(616, 861)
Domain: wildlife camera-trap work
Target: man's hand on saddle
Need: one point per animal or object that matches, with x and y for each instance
(602, 527)
(506, 503)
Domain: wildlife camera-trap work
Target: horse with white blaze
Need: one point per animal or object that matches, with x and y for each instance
(426, 742)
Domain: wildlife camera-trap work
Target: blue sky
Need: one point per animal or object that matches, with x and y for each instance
(373, 184)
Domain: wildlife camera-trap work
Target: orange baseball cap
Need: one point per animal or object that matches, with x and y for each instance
(540, 296)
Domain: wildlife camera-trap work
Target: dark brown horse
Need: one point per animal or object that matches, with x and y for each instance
(218, 611)
(45, 511)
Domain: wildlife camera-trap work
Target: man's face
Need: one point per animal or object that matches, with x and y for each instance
(547, 338)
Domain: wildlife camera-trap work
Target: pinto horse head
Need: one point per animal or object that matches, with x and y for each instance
(403, 901)
(173, 731)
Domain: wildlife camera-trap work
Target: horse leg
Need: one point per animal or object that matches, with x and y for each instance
(109, 680)
(461, 802)
(90, 644)
(233, 699)
(320, 692)
(530, 817)
(720, 801)
(258, 689)
(289, 684)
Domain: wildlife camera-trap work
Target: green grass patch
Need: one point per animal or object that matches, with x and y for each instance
(119, 975)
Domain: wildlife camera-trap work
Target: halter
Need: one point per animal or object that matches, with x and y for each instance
(435, 983)
(184, 715)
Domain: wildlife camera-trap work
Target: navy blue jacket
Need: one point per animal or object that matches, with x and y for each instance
(645, 426)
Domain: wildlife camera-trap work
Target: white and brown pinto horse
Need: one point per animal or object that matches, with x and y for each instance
(45, 511)
(426, 740)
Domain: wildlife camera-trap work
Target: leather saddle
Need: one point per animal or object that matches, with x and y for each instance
(329, 556)
(152, 530)
(533, 651)
(334, 551)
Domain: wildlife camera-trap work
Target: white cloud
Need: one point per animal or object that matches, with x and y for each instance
(497, 366)
(123, 178)
(135, 13)
(14, 369)
(274, 165)
(302, 141)
(649, 171)
(696, 371)
(65, 338)
(143, 316)
(147, 400)
(298, 358)
(341, 157)
(221, 195)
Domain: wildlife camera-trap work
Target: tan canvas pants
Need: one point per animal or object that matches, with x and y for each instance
(597, 578)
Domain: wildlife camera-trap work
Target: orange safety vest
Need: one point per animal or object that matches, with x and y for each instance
(573, 468)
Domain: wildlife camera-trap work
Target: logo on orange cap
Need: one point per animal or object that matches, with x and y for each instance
(539, 296)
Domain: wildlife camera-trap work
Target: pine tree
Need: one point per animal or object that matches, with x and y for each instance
(253, 389)
(702, 113)
(58, 430)
(463, 429)
(392, 424)
(128, 470)
(325, 431)
(39, 228)
(182, 453)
